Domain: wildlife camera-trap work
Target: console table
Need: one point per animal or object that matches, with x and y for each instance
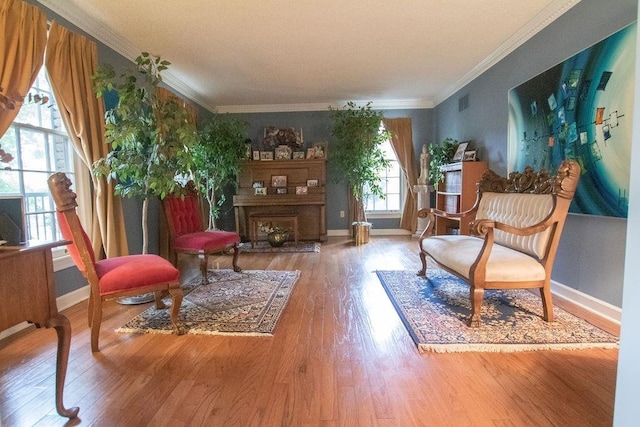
(27, 293)
(306, 202)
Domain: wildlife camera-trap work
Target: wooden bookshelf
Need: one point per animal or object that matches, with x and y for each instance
(457, 193)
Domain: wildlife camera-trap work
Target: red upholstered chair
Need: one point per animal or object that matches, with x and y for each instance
(188, 235)
(116, 277)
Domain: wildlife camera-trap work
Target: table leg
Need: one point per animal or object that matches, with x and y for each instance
(61, 324)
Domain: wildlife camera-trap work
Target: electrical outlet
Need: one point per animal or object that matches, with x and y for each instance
(341, 214)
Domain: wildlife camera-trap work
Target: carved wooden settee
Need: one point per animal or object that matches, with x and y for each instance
(517, 227)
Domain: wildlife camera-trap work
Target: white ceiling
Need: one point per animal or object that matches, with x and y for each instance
(287, 55)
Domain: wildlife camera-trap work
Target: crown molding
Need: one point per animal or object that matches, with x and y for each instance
(126, 49)
(284, 108)
(533, 27)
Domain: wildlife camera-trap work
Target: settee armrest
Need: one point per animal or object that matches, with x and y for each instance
(431, 213)
(480, 227)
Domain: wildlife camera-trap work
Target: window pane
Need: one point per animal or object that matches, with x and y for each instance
(36, 183)
(40, 145)
(9, 182)
(392, 184)
(393, 202)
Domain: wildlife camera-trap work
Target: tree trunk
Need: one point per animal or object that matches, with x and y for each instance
(145, 225)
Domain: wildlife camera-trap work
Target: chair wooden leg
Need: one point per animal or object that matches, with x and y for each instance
(204, 267)
(423, 258)
(158, 295)
(477, 295)
(236, 252)
(547, 305)
(96, 320)
(176, 302)
(90, 309)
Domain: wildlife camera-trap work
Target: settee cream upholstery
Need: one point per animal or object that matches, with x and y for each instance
(517, 227)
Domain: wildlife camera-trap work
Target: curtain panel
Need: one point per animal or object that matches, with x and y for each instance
(402, 143)
(23, 37)
(71, 61)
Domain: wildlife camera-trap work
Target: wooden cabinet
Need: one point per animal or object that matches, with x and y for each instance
(457, 193)
(303, 195)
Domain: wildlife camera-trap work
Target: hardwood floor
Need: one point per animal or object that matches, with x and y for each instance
(340, 356)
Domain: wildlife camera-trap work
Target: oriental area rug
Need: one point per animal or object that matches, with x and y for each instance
(263, 246)
(435, 312)
(247, 303)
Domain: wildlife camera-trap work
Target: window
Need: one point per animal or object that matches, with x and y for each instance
(40, 146)
(393, 186)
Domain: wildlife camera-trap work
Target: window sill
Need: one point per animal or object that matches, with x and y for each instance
(380, 215)
(62, 262)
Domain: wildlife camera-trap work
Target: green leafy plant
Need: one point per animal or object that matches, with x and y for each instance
(216, 159)
(358, 154)
(440, 155)
(150, 136)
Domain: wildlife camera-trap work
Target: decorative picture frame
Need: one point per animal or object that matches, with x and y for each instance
(281, 190)
(317, 151)
(283, 152)
(302, 190)
(312, 183)
(256, 155)
(260, 191)
(462, 147)
(298, 155)
(266, 155)
(257, 184)
(469, 156)
(278, 180)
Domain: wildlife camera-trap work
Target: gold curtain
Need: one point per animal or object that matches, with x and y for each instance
(402, 143)
(23, 37)
(71, 61)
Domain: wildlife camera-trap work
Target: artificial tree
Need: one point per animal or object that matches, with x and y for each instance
(216, 159)
(150, 135)
(358, 154)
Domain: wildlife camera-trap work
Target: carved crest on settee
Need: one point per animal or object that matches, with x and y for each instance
(563, 183)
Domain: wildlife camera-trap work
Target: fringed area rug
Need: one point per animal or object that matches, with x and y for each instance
(435, 312)
(247, 303)
(263, 246)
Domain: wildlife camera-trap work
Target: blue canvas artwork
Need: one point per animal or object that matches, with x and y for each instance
(581, 109)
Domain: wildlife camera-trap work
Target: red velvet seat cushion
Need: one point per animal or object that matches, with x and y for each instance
(207, 241)
(134, 271)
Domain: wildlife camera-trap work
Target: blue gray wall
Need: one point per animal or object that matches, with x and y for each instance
(591, 253)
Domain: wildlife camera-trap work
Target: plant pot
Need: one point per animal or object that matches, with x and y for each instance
(361, 232)
(277, 239)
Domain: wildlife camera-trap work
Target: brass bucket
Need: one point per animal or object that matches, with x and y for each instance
(361, 232)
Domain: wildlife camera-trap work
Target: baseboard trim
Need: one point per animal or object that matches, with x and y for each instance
(373, 232)
(602, 309)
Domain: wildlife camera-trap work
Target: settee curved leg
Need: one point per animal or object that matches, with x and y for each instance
(547, 305)
(423, 258)
(477, 295)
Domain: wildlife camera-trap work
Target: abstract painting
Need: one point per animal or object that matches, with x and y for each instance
(581, 109)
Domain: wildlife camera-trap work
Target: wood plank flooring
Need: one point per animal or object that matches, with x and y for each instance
(340, 356)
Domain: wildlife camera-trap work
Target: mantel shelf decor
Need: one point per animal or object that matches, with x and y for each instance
(274, 137)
